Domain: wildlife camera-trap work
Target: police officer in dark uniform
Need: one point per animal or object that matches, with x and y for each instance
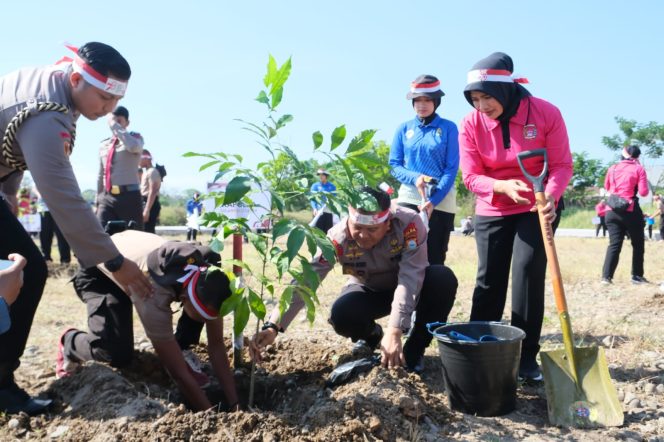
(118, 190)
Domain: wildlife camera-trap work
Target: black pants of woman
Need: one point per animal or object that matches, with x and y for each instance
(14, 239)
(514, 240)
(441, 224)
(619, 224)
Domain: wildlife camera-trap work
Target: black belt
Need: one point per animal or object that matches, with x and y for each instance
(116, 190)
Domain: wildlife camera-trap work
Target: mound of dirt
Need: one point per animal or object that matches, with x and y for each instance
(293, 403)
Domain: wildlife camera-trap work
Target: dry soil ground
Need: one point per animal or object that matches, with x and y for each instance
(293, 404)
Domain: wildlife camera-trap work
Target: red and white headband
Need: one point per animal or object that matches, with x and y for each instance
(366, 219)
(190, 280)
(420, 88)
(496, 75)
(91, 76)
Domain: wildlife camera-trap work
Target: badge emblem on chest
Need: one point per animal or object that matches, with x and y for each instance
(529, 132)
(410, 133)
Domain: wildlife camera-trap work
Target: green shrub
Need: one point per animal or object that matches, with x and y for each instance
(172, 216)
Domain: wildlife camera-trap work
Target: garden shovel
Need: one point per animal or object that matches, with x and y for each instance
(578, 386)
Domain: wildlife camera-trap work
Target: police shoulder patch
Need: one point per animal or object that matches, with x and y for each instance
(410, 236)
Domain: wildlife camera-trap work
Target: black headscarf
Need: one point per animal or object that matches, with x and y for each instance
(509, 95)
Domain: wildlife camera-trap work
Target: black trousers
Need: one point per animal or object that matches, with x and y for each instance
(126, 206)
(191, 234)
(48, 228)
(154, 215)
(661, 227)
(514, 240)
(324, 222)
(355, 312)
(14, 239)
(601, 225)
(111, 333)
(618, 224)
(441, 224)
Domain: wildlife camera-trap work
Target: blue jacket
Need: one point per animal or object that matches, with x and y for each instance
(320, 187)
(431, 150)
(193, 205)
(5, 321)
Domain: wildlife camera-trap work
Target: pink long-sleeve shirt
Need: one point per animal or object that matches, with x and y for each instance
(484, 159)
(625, 179)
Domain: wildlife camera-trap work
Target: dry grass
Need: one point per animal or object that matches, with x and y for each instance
(621, 309)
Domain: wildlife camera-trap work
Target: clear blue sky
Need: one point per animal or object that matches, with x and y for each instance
(197, 65)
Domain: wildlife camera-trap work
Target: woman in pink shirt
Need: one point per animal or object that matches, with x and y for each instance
(507, 120)
(626, 179)
(600, 210)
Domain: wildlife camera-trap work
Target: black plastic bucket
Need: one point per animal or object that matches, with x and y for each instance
(480, 376)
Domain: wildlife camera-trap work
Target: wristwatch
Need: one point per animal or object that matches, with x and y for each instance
(273, 326)
(113, 265)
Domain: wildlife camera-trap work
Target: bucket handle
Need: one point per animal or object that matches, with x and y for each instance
(432, 326)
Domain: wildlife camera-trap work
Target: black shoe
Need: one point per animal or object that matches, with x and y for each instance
(529, 371)
(639, 280)
(14, 400)
(371, 343)
(607, 281)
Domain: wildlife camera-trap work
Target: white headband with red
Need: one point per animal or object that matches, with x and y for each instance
(425, 87)
(91, 76)
(368, 219)
(190, 280)
(496, 75)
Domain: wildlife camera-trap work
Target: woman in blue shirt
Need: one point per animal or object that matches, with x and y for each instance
(425, 158)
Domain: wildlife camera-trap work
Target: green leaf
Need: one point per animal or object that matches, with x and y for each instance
(338, 136)
(311, 278)
(231, 303)
(262, 98)
(259, 242)
(294, 243)
(285, 300)
(282, 227)
(318, 139)
(361, 140)
(239, 263)
(206, 165)
(277, 201)
(280, 77)
(271, 71)
(277, 95)
(283, 263)
(241, 317)
(216, 245)
(256, 304)
(285, 119)
(327, 248)
(311, 243)
(236, 189)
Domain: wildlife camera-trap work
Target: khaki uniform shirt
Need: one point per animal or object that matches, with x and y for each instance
(44, 143)
(124, 166)
(397, 263)
(155, 312)
(149, 175)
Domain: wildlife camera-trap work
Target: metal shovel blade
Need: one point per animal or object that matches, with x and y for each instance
(590, 403)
